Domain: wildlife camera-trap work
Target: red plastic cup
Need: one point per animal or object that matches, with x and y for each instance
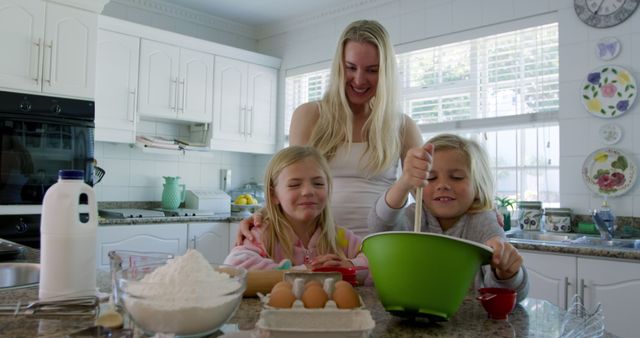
(348, 274)
(498, 302)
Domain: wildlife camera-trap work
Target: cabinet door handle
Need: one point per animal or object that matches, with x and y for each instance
(243, 120)
(582, 287)
(37, 61)
(250, 121)
(193, 242)
(50, 46)
(183, 97)
(173, 84)
(566, 292)
(134, 102)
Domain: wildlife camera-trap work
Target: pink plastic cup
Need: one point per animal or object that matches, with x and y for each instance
(497, 302)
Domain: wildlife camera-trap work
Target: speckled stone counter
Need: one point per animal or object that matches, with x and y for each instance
(576, 249)
(531, 318)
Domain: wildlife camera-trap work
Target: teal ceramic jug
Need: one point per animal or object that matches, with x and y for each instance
(173, 192)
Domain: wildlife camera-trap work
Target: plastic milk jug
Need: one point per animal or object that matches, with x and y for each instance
(68, 243)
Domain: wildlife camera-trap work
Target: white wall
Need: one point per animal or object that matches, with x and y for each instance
(136, 175)
(412, 22)
(183, 21)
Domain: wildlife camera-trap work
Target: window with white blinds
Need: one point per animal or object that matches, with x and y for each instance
(501, 90)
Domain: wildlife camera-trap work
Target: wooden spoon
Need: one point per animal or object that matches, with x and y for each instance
(418, 218)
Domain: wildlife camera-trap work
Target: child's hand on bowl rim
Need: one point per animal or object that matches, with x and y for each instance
(506, 260)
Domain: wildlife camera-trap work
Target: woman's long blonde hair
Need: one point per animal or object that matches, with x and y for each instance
(277, 222)
(479, 169)
(383, 128)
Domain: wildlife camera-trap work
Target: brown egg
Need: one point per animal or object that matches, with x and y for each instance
(312, 282)
(282, 298)
(342, 284)
(346, 297)
(314, 297)
(282, 284)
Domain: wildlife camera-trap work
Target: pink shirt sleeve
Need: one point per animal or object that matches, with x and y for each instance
(251, 255)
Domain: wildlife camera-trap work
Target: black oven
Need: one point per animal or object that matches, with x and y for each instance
(39, 135)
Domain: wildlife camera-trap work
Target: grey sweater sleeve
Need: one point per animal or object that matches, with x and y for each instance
(384, 218)
(481, 227)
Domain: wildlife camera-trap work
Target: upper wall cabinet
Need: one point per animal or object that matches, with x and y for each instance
(244, 111)
(175, 83)
(47, 48)
(116, 87)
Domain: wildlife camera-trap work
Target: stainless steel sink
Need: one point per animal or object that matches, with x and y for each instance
(573, 239)
(14, 275)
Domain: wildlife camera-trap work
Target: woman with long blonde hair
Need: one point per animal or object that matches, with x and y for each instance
(357, 126)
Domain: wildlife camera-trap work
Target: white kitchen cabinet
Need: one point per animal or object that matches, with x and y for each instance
(210, 239)
(175, 83)
(244, 110)
(48, 48)
(116, 87)
(554, 282)
(168, 238)
(616, 285)
(233, 230)
(613, 283)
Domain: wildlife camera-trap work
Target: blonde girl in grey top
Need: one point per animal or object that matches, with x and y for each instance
(457, 201)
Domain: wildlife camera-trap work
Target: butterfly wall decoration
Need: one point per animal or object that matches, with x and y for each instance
(608, 48)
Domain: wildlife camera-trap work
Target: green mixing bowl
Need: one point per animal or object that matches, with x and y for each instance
(423, 274)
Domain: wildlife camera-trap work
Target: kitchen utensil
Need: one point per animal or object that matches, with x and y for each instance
(423, 274)
(173, 193)
(348, 274)
(418, 216)
(609, 172)
(262, 281)
(181, 306)
(578, 322)
(78, 307)
(98, 174)
(498, 302)
(122, 259)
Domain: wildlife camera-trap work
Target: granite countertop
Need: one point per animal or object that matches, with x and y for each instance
(549, 247)
(531, 318)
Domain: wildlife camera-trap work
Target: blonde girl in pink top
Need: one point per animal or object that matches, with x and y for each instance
(299, 228)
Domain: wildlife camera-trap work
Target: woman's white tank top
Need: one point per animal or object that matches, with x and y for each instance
(353, 193)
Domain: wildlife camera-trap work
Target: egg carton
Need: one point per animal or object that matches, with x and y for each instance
(299, 279)
(306, 323)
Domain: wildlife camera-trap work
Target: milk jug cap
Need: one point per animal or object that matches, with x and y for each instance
(70, 174)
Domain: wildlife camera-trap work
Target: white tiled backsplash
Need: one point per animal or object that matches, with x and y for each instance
(135, 175)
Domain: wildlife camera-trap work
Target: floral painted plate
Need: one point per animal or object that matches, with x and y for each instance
(609, 91)
(609, 172)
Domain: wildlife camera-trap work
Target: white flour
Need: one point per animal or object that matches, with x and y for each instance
(186, 296)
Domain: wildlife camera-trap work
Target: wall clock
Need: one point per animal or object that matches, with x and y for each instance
(604, 13)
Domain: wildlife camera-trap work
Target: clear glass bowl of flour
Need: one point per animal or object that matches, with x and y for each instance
(178, 301)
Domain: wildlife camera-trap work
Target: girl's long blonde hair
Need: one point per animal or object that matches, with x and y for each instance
(277, 222)
(479, 168)
(384, 128)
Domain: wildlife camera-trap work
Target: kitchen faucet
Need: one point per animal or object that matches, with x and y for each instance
(605, 221)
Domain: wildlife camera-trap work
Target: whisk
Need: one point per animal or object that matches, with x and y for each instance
(98, 173)
(79, 307)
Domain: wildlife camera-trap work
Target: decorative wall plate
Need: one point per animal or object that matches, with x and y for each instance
(609, 91)
(610, 133)
(608, 48)
(609, 172)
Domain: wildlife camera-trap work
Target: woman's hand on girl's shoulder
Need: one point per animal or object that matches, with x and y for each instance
(506, 261)
(244, 230)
